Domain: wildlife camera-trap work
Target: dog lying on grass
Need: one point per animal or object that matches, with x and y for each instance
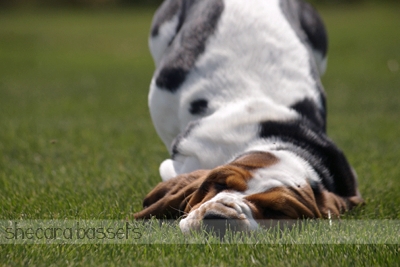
(237, 99)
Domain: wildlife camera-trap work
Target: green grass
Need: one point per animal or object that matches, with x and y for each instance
(76, 140)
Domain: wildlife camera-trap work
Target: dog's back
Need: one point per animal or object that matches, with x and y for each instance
(213, 53)
(216, 58)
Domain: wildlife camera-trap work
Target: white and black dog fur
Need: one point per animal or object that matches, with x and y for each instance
(237, 89)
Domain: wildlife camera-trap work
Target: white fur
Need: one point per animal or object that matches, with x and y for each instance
(159, 44)
(162, 105)
(224, 135)
(236, 65)
(290, 171)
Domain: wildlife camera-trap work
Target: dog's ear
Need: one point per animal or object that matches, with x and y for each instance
(284, 203)
(330, 204)
(168, 199)
(233, 176)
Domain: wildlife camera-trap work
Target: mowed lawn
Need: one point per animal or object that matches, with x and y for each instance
(77, 142)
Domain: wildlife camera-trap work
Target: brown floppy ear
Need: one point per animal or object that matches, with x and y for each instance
(168, 199)
(284, 203)
(333, 205)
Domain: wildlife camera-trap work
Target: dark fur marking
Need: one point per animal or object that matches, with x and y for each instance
(306, 136)
(307, 24)
(308, 109)
(314, 28)
(171, 78)
(195, 27)
(310, 29)
(198, 107)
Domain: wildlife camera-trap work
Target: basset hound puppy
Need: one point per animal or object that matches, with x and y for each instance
(237, 99)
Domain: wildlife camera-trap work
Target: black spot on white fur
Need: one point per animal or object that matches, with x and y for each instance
(171, 77)
(198, 107)
(196, 25)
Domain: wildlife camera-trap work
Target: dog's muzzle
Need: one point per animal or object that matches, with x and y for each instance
(226, 211)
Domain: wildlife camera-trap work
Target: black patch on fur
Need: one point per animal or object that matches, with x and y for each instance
(171, 78)
(178, 139)
(185, 7)
(197, 23)
(165, 13)
(315, 147)
(310, 29)
(324, 108)
(314, 28)
(308, 109)
(198, 107)
(307, 24)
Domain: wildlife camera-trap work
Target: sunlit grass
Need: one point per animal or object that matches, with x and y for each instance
(77, 142)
